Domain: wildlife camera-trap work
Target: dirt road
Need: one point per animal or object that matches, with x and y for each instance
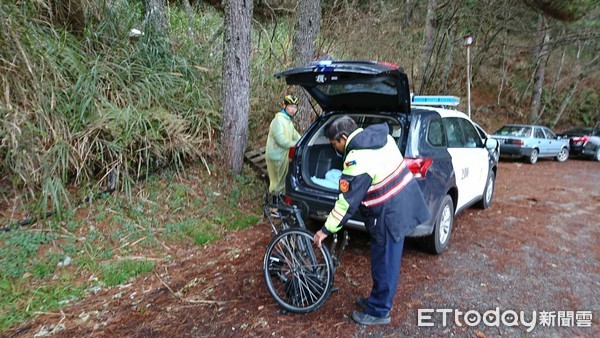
(536, 249)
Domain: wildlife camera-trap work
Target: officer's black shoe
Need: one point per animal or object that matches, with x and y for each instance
(362, 302)
(366, 319)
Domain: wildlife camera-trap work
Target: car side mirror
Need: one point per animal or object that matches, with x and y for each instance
(491, 143)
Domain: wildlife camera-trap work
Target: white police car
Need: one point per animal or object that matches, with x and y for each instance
(442, 147)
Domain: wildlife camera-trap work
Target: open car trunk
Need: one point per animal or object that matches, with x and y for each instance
(321, 166)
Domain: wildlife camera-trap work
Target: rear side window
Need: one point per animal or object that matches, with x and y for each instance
(539, 133)
(454, 132)
(460, 133)
(435, 133)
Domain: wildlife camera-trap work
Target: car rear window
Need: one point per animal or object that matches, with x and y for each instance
(518, 131)
(333, 89)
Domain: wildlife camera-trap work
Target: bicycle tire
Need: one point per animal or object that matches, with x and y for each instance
(298, 274)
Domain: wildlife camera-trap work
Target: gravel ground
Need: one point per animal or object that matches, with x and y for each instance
(535, 250)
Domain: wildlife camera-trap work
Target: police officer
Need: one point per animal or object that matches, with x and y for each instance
(282, 136)
(375, 181)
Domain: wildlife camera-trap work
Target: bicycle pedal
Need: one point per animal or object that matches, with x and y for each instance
(334, 289)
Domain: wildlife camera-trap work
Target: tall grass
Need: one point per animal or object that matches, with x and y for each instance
(100, 109)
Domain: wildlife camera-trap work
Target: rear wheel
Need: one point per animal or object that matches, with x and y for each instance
(438, 241)
(488, 192)
(597, 154)
(563, 155)
(533, 157)
(299, 275)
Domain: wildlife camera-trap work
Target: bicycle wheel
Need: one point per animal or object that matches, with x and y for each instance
(298, 274)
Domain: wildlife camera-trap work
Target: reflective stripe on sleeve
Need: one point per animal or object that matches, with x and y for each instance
(336, 215)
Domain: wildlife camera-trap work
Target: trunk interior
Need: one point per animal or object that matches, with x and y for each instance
(322, 166)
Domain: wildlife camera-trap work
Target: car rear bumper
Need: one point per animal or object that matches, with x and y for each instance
(576, 150)
(515, 151)
(588, 152)
(318, 208)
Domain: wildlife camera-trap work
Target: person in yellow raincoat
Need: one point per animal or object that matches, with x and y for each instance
(282, 136)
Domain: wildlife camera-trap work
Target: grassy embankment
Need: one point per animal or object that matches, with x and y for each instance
(93, 110)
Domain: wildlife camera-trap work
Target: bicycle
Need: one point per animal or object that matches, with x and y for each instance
(298, 274)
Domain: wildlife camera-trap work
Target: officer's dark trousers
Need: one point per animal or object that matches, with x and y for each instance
(385, 272)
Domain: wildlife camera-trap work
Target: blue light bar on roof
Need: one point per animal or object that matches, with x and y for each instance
(435, 100)
(325, 62)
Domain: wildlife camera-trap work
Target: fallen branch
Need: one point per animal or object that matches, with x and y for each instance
(137, 258)
(204, 301)
(39, 313)
(165, 284)
(134, 243)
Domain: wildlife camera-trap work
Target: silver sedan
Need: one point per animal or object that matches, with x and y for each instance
(531, 142)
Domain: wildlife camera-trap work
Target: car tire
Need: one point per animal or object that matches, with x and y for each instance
(488, 192)
(533, 157)
(563, 155)
(438, 241)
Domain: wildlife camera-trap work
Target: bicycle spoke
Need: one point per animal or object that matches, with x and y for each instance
(299, 275)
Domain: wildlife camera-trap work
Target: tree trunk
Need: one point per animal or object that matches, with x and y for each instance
(235, 102)
(447, 67)
(156, 18)
(503, 70)
(567, 99)
(540, 58)
(308, 24)
(427, 47)
(552, 93)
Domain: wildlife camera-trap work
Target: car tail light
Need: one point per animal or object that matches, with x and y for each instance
(581, 139)
(291, 153)
(389, 64)
(419, 166)
(518, 142)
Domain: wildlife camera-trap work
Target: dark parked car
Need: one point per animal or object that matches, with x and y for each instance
(442, 147)
(531, 142)
(584, 142)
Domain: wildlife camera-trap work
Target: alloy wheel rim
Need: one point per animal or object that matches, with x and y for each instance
(562, 155)
(490, 190)
(534, 156)
(445, 225)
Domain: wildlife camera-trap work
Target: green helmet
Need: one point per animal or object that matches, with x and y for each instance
(290, 99)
